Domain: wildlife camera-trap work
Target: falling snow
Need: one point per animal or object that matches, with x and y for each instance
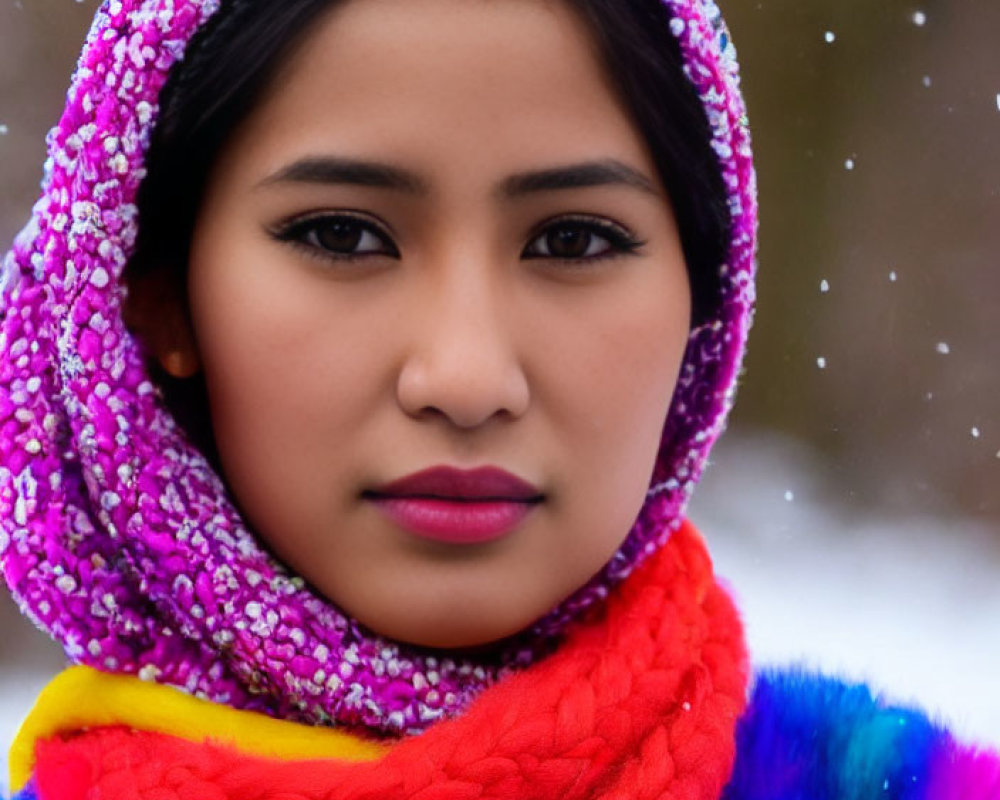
(789, 496)
(943, 348)
(821, 362)
(926, 599)
(849, 164)
(919, 18)
(976, 433)
(824, 286)
(927, 81)
(4, 130)
(830, 37)
(893, 277)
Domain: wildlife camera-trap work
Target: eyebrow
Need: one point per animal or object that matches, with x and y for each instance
(333, 170)
(607, 172)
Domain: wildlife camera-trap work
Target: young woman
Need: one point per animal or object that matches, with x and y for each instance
(356, 367)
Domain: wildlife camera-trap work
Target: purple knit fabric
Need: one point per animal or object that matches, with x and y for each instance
(116, 536)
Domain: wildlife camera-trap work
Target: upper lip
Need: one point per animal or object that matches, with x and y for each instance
(483, 483)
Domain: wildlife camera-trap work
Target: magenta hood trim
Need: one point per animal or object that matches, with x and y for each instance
(116, 536)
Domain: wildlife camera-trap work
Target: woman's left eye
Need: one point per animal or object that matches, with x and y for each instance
(581, 240)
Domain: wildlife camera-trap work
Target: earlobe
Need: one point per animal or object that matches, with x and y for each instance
(172, 341)
(180, 363)
(156, 310)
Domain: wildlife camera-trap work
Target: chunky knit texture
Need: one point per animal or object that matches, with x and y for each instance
(802, 737)
(640, 702)
(116, 535)
(82, 697)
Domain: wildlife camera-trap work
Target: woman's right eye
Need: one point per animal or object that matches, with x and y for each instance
(337, 236)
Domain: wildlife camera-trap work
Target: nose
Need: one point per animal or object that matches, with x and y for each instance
(462, 361)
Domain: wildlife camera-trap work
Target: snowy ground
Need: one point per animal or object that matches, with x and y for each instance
(911, 605)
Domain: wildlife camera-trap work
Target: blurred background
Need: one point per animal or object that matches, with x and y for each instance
(854, 504)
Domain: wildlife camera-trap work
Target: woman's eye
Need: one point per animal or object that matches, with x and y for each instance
(581, 240)
(337, 236)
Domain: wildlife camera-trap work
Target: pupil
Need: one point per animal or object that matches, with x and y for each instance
(340, 235)
(568, 241)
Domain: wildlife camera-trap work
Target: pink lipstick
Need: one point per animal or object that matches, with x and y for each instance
(457, 506)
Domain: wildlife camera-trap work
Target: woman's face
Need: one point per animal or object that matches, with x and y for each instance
(439, 242)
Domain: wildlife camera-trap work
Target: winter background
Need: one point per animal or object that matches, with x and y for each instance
(854, 505)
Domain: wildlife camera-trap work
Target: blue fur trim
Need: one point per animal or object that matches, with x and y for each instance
(809, 737)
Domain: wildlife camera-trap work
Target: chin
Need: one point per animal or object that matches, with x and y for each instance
(448, 633)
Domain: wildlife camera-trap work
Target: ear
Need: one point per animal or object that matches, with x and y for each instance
(180, 363)
(156, 310)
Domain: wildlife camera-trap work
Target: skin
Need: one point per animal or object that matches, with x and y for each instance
(461, 338)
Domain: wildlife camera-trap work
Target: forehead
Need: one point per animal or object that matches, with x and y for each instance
(455, 80)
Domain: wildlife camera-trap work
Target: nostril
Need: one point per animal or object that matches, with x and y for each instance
(467, 392)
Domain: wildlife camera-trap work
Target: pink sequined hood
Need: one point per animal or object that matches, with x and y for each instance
(104, 504)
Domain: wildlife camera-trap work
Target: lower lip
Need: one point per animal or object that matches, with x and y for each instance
(455, 522)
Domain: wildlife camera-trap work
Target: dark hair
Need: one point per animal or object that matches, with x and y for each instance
(235, 57)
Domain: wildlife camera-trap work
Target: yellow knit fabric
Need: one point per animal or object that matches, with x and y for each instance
(81, 697)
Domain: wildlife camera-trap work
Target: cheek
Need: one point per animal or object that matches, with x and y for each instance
(607, 390)
(631, 399)
(286, 374)
(616, 376)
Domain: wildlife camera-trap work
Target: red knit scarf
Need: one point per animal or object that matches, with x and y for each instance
(639, 702)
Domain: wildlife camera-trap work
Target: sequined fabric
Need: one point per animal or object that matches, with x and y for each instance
(116, 536)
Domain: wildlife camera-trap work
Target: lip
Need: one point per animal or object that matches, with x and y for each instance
(484, 483)
(457, 506)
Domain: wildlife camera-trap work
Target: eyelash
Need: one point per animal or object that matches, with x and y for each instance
(297, 232)
(621, 241)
